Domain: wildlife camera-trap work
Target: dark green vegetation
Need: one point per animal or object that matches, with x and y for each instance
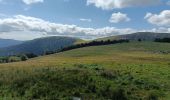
(126, 71)
(83, 81)
(39, 46)
(12, 59)
(147, 36)
(164, 40)
(93, 43)
(17, 58)
(8, 42)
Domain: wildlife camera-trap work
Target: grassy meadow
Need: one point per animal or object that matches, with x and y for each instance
(126, 71)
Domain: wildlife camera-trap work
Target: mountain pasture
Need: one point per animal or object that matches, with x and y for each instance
(133, 71)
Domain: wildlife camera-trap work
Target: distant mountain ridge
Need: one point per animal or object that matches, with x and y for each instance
(147, 36)
(9, 42)
(39, 46)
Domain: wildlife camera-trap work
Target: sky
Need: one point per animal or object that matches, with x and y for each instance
(86, 19)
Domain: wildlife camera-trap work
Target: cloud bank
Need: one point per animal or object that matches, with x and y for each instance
(28, 26)
(22, 24)
(112, 4)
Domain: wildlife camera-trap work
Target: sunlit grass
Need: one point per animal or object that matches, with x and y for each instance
(147, 62)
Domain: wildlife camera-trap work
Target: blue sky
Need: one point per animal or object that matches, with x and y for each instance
(87, 19)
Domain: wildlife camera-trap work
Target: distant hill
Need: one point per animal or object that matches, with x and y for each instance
(9, 42)
(148, 36)
(39, 46)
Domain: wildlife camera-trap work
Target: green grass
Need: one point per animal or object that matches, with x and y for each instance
(108, 38)
(133, 71)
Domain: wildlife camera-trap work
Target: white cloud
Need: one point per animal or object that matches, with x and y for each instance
(161, 30)
(111, 4)
(25, 27)
(85, 20)
(119, 17)
(162, 19)
(28, 2)
(21, 36)
(26, 24)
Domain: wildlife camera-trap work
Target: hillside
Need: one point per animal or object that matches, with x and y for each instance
(147, 36)
(9, 42)
(126, 71)
(39, 46)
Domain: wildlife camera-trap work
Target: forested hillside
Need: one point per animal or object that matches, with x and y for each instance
(39, 46)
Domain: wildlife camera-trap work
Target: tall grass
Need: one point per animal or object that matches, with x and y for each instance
(133, 71)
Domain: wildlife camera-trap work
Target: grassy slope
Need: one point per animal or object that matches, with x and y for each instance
(108, 38)
(147, 36)
(142, 70)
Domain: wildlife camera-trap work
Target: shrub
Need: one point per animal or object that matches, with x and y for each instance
(24, 58)
(113, 93)
(109, 74)
(152, 96)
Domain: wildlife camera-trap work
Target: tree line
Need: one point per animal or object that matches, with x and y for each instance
(167, 40)
(87, 44)
(17, 58)
(94, 43)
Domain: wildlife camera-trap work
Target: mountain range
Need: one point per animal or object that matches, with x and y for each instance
(9, 42)
(147, 36)
(41, 45)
